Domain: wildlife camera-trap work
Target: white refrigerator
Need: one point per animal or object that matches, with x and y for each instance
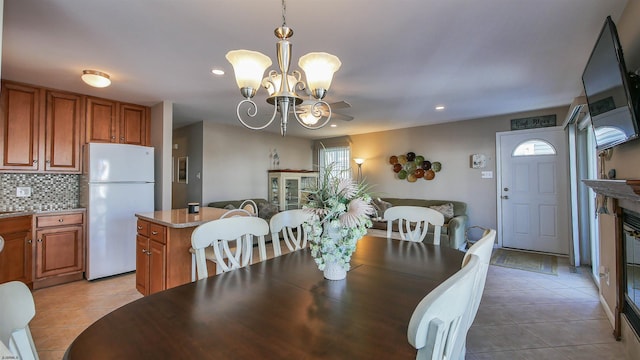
(117, 183)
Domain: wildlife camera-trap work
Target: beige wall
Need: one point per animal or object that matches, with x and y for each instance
(236, 160)
(451, 144)
(625, 158)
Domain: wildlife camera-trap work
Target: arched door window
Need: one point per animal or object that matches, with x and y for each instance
(534, 147)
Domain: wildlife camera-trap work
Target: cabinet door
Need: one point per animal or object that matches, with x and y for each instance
(157, 266)
(133, 124)
(101, 120)
(142, 264)
(62, 134)
(59, 251)
(19, 127)
(15, 258)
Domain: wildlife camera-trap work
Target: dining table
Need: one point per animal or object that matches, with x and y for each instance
(281, 308)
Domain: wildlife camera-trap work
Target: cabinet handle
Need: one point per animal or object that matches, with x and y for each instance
(144, 251)
(29, 241)
(122, 139)
(113, 138)
(39, 240)
(154, 233)
(139, 227)
(60, 220)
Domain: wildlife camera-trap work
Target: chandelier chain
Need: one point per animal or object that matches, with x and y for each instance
(284, 13)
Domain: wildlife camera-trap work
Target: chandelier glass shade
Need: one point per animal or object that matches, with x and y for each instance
(319, 67)
(95, 78)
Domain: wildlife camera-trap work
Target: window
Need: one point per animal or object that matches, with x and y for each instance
(339, 156)
(534, 147)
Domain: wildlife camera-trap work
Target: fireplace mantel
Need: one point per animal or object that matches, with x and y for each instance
(617, 189)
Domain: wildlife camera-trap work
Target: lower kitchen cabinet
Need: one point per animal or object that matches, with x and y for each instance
(60, 247)
(151, 257)
(15, 258)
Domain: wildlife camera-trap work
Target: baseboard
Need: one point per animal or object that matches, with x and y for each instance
(607, 311)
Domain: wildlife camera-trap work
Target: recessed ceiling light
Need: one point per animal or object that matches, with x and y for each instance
(217, 71)
(440, 107)
(334, 125)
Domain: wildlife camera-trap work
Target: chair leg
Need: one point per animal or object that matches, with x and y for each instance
(193, 267)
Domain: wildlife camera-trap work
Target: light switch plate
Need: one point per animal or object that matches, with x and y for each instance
(487, 174)
(23, 191)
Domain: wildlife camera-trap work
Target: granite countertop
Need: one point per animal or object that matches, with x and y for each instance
(15, 213)
(180, 218)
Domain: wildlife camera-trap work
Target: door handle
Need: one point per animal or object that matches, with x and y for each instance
(506, 197)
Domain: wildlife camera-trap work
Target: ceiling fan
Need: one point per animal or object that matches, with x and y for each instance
(305, 108)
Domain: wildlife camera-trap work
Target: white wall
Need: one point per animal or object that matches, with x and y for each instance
(451, 144)
(236, 161)
(161, 133)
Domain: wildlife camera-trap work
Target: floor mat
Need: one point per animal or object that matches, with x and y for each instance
(540, 263)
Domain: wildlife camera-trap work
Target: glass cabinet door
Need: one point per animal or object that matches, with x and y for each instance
(274, 191)
(292, 194)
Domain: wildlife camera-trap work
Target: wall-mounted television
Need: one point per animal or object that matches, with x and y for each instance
(611, 91)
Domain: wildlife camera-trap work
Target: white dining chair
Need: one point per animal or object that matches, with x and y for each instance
(436, 325)
(482, 249)
(413, 222)
(5, 353)
(1, 243)
(231, 240)
(17, 309)
(208, 253)
(250, 206)
(289, 224)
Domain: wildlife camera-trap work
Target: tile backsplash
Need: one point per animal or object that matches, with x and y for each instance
(48, 191)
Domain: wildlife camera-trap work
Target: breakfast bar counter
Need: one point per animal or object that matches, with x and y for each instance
(163, 240)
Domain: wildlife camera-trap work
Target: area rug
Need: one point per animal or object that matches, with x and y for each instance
(540, 263)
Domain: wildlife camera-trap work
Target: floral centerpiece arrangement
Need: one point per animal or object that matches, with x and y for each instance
(340, 215)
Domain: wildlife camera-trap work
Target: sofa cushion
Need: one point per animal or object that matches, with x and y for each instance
(445, 209)
(380, 206)
(266, 210)
(459, 207)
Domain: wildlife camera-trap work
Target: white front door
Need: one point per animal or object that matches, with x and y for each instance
(533, 190)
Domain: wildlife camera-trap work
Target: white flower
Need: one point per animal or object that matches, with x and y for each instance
(340, 211)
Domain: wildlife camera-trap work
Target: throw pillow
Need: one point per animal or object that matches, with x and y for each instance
(266, 210)
(445, 209)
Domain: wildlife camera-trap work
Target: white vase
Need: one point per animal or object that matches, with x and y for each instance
(334, 271)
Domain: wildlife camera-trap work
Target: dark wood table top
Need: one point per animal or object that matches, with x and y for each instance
(282, 308)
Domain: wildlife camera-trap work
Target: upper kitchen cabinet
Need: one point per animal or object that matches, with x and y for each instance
(41, 129)
(19, 127)
(63, 132)
(111, 121)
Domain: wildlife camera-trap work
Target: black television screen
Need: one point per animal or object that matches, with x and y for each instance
(608, 91)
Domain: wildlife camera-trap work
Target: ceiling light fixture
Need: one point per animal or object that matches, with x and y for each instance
(249, 67)
(217, 72)
(96, 78)
(440, 107)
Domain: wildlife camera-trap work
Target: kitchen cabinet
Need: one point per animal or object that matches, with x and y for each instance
(15, 258)
(111, 121)
(288, 189)
(60, 247)
(151, 257)
(41, 129)
(20, 127)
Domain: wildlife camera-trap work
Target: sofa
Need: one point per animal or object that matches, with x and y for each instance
(452, 233)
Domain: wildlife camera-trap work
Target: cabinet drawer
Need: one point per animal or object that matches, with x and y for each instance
(57, 220)
(142, 227)
(15, 224)
(157, 233)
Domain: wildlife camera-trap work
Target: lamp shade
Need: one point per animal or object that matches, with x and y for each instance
(96, 78)
(319, 68)
(249, 67)
(359, 161)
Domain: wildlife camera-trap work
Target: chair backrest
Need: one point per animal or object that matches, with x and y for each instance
(289, 223)
(419, 218)
(236, 212)
(483, 249)
(250, 206)
(436, 326)
(219, 233)
(16, 311)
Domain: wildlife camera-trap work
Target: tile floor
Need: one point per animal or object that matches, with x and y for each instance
(523, 315)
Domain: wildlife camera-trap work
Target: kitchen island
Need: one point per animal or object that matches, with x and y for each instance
(163, 260)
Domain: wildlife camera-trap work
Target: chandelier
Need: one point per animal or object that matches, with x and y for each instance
(249, 67)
